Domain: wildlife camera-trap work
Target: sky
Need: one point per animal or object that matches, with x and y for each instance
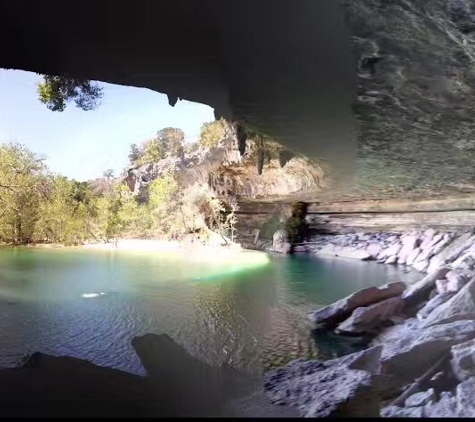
(83, 144)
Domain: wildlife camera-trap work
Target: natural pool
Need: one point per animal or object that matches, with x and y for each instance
(248, 310)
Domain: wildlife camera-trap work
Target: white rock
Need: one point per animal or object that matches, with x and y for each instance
(459, 307)
(431, 248)
(342, 309)
(344, 252)
(279, 242)
(409, 350)
(365, 319)
(412, 257)
(441, 286)
(420, 399)
(324, 389)
(452, 251)
(401, 412)
(421, 265)
(463, 360)
(420, 290)
(374, 250)
(391, 260)
(445, 407)
(465, 394)
(391, 250)
(465, 262)
(457, 279)
(433, 304)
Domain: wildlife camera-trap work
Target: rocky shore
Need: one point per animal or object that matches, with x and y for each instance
(421, 359)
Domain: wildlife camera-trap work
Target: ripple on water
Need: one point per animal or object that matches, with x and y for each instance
(90, 304)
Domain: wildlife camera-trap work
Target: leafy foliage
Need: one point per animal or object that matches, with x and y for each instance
(37, 206)
(57, 91)
(212, 133)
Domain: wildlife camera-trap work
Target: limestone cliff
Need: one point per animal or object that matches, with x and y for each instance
(227, 172)
(416, 99)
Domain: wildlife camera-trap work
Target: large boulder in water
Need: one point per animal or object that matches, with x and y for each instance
(340, 387)
(368, 319)
(279, 242)
(342, 309)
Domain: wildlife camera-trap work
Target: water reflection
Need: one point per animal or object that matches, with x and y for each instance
(250, 319)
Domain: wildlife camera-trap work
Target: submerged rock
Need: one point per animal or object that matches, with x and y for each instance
(342, 309)
(367, 319)
(459, 307)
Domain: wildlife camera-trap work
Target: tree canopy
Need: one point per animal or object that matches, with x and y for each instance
(57, 91)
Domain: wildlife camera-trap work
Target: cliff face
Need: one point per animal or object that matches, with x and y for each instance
(416, 102)
(226, 172)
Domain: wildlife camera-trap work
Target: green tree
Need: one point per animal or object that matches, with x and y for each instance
(135, 153)
(153, 151)
(212, 133)
(57, 91)
(57, 215)
(22, 186)
(172, 140)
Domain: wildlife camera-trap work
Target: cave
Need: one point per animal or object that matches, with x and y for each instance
(285, 70)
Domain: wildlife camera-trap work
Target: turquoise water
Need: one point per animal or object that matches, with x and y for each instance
(248, 311)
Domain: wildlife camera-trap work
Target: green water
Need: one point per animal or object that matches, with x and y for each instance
(248, 311)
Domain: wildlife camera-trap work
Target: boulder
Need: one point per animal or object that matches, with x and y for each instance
(428, 247)
(426, 241)
(433, 304)
(465, 262)
(342, 309)
(459, 307)
(463, 360)
(412, 257)
(441, 286)
(344, 252)
(420, 399)
(409, 350)
(456, 279)
(421, 264)
(419, 291)
(391, 260)
(446, 407)
(465, 394)
(368, 319)
(390, 251)
(325, 389)
(279, 242)
(374, 250)
(452, 251)
(409, 244)
(401, 412)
